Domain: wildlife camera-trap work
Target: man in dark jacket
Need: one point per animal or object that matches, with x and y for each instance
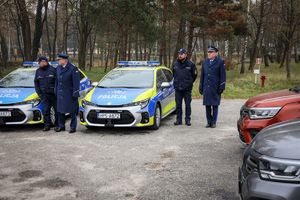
(44, 83)
(67, 92)
(185, 73)
(212, 84)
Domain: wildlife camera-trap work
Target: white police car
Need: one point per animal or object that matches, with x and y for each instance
(137, 93)
(19, 103)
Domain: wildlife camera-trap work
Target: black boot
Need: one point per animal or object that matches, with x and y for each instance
(46, 129)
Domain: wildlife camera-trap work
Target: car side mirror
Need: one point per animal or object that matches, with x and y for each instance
(165, 85)
(94, 84)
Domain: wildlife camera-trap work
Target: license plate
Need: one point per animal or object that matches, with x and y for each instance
(109, 115)
(5, 114)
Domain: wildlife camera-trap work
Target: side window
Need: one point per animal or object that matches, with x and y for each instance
(168, 75)
(160, 78)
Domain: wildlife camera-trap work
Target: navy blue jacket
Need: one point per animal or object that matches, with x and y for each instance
(185, 73)
(212, 81)
(67, 88)
(44, 81)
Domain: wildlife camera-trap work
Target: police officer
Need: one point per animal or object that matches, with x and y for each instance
(44, 82)
(67, 92)
(185, 73)
(212, 84)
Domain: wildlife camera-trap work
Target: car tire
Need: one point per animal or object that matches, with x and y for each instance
(157, 118)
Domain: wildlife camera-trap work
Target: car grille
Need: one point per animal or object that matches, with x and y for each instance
(16, 115)
(126, 117)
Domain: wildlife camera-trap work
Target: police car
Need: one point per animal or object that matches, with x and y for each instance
(19, 103)
(135, 94)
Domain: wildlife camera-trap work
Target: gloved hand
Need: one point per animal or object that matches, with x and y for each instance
(220, 92)
(74, 98)
(201, 92)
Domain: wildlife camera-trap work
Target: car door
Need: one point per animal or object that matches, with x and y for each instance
(170, 106)
(162, 93)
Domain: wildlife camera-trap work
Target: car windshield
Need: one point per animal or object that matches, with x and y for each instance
(128, 79)
(296, 89)
(18, 78)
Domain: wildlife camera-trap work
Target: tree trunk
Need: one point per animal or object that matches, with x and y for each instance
(180, 38)
(287, 62)
(190, 41)
(253, 54)
(296, 53)
(36, 44)
(163, 42)
(283, 56)
(92, 48)
(136, 48)
(129, 48)
(117, 46)
(244, 49)
(266, 56)
(204, 45)
(65, 27)
(25, 27)
(4, 51)
(55, 31)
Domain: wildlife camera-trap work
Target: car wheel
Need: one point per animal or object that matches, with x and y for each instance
(52, 115)
(157, 118)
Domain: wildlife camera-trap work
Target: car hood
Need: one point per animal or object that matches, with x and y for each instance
(279, 140)
(273, 99)
(119, 96)
(15, 95)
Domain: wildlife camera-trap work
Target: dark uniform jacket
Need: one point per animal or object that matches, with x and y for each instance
(212, 81)
(67, 88)
(44, 81)
(185, 73)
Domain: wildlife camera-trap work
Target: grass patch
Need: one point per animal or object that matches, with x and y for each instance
(95, 74)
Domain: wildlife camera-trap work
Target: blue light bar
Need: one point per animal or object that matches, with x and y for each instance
(36, 64)
(138, 63)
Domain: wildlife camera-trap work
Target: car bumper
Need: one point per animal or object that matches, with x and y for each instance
(132, 116)
(254, 188)
(248, 128)
(21, 114)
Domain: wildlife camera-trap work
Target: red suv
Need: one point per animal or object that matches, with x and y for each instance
(266, 109)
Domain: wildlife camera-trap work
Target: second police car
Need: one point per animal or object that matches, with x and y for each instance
(135, 94)
(19, 103)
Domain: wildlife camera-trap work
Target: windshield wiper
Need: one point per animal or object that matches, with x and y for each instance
(99, 86)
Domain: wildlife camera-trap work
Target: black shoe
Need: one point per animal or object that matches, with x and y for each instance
(213, 126)
(46, 129)
(188, 123)
(58, 129)
(72, 130)
(207, 126)
(177, 123)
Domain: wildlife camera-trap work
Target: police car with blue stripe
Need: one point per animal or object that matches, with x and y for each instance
(19, 103)
(134, 94)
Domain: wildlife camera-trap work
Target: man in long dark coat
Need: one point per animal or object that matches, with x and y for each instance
(212, 84)
(67, 92)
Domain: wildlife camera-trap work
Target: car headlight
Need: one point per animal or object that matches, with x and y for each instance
(142, 103)
(34, 102)
(263, 113)
(87, 103)
(275, 169)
